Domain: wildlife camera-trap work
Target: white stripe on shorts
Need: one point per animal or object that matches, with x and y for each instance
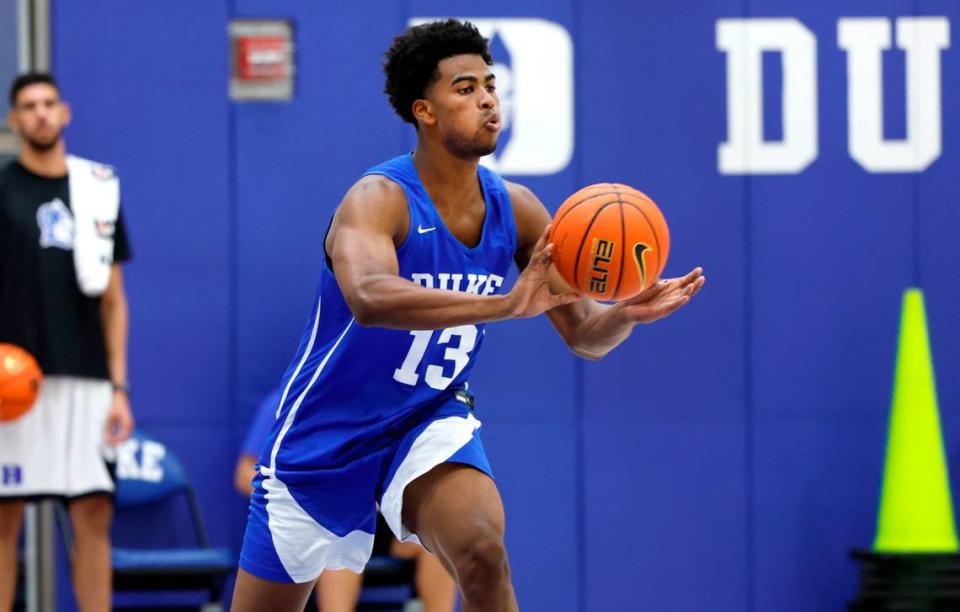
(435, 444)
(304, 546)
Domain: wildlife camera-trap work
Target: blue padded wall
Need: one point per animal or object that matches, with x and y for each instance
(724, 459)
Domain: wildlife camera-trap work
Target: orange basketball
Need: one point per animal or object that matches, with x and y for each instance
(610, 241)
(20, 379)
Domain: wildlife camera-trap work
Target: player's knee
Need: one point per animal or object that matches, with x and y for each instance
(482, 565)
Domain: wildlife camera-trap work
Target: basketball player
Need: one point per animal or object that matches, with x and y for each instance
(375, 409)
(62, 299)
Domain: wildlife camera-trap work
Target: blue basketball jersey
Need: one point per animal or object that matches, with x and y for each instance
(349, 388)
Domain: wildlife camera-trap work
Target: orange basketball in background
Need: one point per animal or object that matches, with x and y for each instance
(20, 380)
(610, 241)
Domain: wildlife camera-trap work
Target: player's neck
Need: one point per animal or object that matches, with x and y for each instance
(446, 177)
(50, 162)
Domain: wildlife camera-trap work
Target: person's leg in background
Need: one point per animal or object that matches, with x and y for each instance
(11, 518)
(338, 590)
(435, 587)
(86, 469)
(92, 569)
(254, 594)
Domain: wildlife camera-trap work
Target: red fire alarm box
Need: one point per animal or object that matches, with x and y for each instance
(262, 60)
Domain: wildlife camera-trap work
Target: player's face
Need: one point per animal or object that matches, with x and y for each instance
(466, 107)
(39, 116)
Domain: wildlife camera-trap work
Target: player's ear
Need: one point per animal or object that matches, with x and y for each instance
(423, 112)
(67, 113)
(11, 121)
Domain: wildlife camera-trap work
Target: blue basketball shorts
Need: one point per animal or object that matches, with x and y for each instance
(295, 532)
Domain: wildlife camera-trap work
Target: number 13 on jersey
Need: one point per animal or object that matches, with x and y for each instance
(459, 340)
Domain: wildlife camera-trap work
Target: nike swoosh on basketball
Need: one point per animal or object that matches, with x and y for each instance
(639, 256)
(424, 230)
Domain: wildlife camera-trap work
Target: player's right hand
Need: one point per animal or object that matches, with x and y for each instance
(531, 293)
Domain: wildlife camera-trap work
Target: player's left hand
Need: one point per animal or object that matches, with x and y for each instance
(663, 297)
(119, 420)
(531, 294)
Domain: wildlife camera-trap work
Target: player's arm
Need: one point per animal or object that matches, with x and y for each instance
(370, 224)
(115, 319)
(243, 474)
(589, 328)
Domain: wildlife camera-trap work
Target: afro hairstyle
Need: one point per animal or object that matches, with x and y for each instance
(411, 62)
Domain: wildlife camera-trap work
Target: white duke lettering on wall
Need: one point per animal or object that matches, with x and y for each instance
(922, 38)
(744, 41)
(145, 465)
(863, 40)
(536, 94)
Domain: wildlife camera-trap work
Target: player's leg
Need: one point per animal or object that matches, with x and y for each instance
(88, 487)
(435, 586)
(338, 590)
(11, 518)
(290, 541)
(457, 513)
(92, 570)
(254, 594)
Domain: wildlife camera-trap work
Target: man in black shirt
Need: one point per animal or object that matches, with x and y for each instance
(62, 299)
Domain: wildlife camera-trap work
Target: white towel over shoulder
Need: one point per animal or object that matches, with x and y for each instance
(95, 201)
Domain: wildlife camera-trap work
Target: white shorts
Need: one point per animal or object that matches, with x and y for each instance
(57, 448)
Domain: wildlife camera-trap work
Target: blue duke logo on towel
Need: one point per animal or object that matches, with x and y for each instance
(56, 225)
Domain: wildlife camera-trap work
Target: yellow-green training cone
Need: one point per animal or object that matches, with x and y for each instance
(916, 512)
